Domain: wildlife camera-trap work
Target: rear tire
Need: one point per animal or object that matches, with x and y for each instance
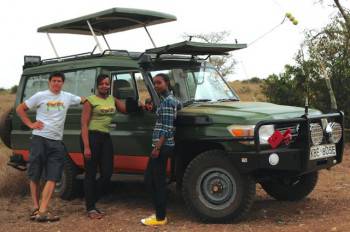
(214, 190)
(291, 189)
(6, 127)
(69, 186)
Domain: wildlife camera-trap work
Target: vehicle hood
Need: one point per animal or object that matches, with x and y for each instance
(245, 112)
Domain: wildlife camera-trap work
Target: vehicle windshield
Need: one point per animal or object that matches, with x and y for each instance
(198, 84)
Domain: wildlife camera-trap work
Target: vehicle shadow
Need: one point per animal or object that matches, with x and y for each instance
(134, 195)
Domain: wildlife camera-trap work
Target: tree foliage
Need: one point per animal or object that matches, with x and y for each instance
(324, 53)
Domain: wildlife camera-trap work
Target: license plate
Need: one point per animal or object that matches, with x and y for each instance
(322, 151)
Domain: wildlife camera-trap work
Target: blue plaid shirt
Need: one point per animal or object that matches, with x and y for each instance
(166, 115)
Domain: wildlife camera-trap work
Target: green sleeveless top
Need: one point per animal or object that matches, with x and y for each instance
(102, 113)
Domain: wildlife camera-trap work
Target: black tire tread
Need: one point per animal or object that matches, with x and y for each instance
(71, 188)
(291, 193)
(6, 127)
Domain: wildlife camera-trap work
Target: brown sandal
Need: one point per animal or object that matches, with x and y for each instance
(33, 214)
(46, 217)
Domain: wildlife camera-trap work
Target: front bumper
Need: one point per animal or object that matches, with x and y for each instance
(294, 158)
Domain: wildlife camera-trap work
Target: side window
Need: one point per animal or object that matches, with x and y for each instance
(35, 84)
(80, 82)
(142, 88)
(123, 86)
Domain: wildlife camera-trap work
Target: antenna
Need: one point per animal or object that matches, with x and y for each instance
(306, 82)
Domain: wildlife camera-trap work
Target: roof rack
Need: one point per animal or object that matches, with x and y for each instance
(85, 55)
(69, 57)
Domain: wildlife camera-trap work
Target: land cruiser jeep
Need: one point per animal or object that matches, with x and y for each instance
(223, 146)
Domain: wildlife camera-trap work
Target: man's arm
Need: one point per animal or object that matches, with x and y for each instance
(22, 113)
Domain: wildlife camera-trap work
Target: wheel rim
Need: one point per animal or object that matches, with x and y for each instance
(217, 188)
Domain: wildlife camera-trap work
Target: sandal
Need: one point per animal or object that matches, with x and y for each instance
(94, 214)
(46, 217)
(33, 214)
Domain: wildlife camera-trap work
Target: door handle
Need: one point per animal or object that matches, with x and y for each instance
(112, 125)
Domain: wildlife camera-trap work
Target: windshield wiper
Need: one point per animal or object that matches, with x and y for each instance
(190, 102)
(202, 100)
(227, 99)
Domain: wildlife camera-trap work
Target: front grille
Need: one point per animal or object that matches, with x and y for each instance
(294, 127)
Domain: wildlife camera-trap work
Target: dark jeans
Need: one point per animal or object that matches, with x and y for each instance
(102, 158)
(155, 179)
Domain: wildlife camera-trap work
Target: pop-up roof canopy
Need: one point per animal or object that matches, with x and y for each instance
(196, 48)
(106, 22)
(109, 21)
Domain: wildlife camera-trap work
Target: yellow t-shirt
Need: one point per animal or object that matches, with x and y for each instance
(102, 113)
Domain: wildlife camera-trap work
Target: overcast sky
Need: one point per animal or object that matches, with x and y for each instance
(246, 20)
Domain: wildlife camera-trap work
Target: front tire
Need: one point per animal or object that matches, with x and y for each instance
(291, 189)
(214, 190)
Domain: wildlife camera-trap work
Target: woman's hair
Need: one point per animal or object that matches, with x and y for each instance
(165, 78)
(100, 78)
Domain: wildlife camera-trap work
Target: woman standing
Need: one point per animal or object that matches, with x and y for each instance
(97, 115)
(163, 147)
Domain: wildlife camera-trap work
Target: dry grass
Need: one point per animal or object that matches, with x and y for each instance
(6, 101)
(248, 91)
(12, 182)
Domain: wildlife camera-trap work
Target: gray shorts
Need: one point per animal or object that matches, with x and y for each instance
(46, 158)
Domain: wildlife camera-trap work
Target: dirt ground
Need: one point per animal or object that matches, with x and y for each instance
(326, 209)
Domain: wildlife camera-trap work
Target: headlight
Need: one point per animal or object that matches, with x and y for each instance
(265, 133)
(316, 133)
(335, 131)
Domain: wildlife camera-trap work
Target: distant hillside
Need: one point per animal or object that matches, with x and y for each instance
(248, 90)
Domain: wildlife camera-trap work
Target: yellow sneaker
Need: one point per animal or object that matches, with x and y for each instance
(152, 221)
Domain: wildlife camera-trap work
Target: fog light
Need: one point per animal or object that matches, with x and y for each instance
(316, 133)
(274, 159)
(336, 132)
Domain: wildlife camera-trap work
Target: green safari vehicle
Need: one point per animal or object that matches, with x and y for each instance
(223, 146)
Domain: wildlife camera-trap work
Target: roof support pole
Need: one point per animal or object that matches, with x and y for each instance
(52, 45)
(150, 37)
(103, 36)
(94, 35)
